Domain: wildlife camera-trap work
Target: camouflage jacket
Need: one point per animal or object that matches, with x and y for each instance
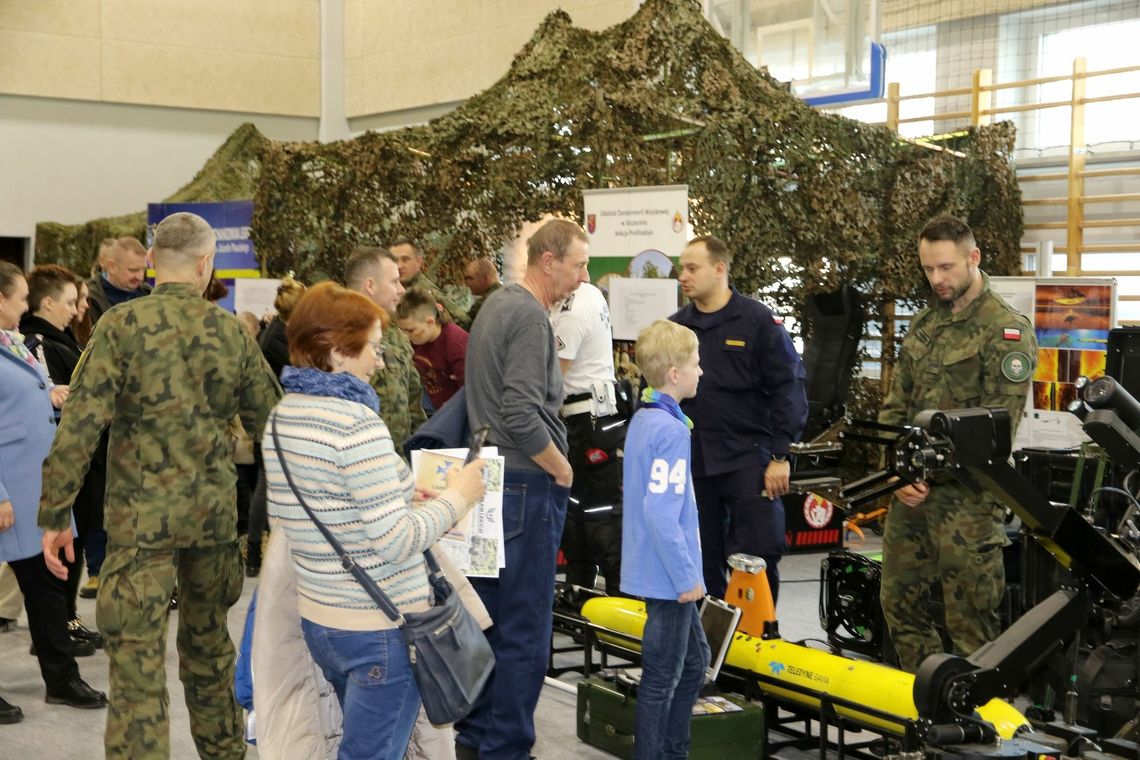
(454, 310)
(399, 388)
(167, 373)
(982, 356)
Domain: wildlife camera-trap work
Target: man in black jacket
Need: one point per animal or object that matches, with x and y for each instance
(52, 295)
(123, 261)
(124, 268)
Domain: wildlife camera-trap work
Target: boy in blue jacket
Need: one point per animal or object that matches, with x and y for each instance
(661, 551)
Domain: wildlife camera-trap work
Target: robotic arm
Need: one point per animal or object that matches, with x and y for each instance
(974, 445)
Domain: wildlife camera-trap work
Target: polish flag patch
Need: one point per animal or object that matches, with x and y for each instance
(1011, 333)
(777, 319)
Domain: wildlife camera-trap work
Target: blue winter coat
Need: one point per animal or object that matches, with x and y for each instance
(27, 426)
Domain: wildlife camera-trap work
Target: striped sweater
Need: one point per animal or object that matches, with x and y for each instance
(342, 461)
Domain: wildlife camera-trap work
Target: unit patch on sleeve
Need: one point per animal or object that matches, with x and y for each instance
(1016, 367)
(1011, 333)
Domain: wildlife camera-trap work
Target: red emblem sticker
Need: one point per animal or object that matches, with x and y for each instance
(817, 511)
(1011, 333)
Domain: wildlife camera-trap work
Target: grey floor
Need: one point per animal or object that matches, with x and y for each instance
(56, 731)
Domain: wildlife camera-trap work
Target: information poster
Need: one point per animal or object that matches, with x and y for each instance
(1071, 318)
(256, 297)
(231, 221)
(635, 304)
(637, 231)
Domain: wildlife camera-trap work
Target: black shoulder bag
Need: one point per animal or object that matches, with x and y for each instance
(450, 656)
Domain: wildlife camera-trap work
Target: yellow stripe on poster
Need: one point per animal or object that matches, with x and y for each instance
(226, 274)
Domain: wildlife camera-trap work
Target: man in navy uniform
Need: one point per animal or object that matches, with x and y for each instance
(751, 406)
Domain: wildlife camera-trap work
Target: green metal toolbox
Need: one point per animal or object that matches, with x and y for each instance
(606, 721)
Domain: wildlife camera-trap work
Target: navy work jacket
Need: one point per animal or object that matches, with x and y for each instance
(751, 401)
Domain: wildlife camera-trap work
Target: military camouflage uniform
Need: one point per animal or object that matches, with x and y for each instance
(456, 312)
(982, 356)
(167, 373)
(399, 388)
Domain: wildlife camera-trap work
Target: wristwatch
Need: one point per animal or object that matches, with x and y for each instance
(779, 457)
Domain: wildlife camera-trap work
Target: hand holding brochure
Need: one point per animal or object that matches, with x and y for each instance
(475, 544)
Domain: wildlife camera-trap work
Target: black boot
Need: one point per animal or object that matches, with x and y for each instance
(76, 693)
(9, 713)
(81, 632)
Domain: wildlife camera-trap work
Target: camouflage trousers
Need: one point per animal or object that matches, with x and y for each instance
(132, 609)
(955, 539)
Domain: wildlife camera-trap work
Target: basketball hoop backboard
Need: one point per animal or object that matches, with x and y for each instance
(828, 49)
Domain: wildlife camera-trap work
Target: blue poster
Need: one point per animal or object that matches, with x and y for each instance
(231, 221)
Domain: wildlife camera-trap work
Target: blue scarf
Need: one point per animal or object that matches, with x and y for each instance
(651, 398)
(317, 382)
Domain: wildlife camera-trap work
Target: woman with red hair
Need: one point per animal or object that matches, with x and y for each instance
(343, 464)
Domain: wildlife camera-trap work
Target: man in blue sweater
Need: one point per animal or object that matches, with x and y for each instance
(661, 553)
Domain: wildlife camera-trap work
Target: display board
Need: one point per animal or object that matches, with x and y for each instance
(256, 296)
(1071, 317)
(636, 231)
(637, 303)
(231, 221)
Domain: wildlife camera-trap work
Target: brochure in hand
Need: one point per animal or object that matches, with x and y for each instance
(475, 543)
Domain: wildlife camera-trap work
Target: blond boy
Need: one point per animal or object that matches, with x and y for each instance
(661, 552)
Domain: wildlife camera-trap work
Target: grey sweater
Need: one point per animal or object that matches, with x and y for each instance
(514, 383)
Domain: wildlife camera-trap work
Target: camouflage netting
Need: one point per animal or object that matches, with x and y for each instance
(807, 200)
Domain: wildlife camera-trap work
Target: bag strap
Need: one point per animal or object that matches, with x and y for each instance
(347, 562)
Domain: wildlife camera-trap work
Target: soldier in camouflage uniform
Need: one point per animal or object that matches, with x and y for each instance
(969, 348)
(166, 373)
(411, 263)
(373, 272)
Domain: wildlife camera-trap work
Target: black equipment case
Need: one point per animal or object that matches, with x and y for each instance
(606, 721)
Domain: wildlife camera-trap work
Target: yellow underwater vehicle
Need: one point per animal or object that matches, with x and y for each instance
(866, 694)
(952, 706)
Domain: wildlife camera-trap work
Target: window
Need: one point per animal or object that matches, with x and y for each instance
(1104, 46)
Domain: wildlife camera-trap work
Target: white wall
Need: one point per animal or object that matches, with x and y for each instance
(404, 55)
(73, 161)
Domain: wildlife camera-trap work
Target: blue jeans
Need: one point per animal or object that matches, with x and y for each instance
(521, 602)
(374, 684)
(674, 658)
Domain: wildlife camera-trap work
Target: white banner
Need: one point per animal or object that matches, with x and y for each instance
(629, 221)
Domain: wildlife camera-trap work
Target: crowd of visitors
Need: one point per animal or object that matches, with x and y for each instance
(159, 437)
